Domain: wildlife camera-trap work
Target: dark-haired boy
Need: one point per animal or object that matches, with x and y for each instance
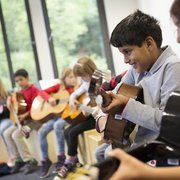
(13, 135)
(154, 68)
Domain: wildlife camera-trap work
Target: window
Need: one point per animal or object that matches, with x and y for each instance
(4, 72)
(75, 29)
(19, 38)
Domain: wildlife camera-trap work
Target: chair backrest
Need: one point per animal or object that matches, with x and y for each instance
(44, 84)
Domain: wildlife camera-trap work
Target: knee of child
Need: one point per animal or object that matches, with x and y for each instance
(1, 133)
(97, 154)
(17, 134)
(73, 133)
(109, 148)
(42, 132)
(6, 134)
(58, 125)
(2, 130)
(66, 133)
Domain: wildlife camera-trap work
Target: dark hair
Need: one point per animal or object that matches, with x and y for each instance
(21, 72)
(175, 9)
(134, 29)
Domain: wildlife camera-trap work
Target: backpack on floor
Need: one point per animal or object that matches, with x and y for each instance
(4, 169)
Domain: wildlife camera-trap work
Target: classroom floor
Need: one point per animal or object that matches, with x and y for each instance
(21, 176)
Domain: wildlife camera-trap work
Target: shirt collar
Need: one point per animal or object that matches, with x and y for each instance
(167, 51)
(23, 90)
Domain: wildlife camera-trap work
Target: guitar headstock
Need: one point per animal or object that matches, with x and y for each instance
(95, 84)
(95, 89)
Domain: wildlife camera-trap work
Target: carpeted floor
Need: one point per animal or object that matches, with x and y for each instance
(21, 176)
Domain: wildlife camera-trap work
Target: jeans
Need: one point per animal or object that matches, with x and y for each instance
(102, 151)
(4, 124)
(57, 125)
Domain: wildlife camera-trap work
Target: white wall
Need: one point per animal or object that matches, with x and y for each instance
(155, 8)
(116, 10)
(41, 39)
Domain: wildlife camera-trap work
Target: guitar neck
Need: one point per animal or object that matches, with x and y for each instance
(86, 108)
(106, 98)
(15, 117)
(61, 101)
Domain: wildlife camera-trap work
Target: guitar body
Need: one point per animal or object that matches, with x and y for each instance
(77, 116)
(42, 111)
(19, 105)
(117, 128)
(67, 113)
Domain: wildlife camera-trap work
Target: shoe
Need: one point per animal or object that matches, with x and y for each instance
(11, 162)
(45, 168)
(65, 169)
(59, 163)
(17, 167)
(31, 166)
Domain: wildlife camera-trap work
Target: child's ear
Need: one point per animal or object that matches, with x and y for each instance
(149, 43)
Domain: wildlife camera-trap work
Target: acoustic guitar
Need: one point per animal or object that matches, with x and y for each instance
(43, 111)
(164, 146)
(18, 107)
(116, 128)
(76, 116)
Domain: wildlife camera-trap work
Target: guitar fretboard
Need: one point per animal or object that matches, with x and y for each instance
(60, 101)
(86, 108)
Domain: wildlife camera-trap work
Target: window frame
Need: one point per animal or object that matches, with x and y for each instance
(50, 39)
(6, 43)
(104, 30)
(6, 46)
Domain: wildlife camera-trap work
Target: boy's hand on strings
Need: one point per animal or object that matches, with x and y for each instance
(52, 101)
(22, 117)
(117, 105)
(73, 103)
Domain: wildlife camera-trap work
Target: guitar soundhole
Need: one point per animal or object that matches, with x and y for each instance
(57, 101)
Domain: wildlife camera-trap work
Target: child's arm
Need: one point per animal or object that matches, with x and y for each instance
(45, 93)
(73, 98)
(78, 92)
(132, 168)
(108, 86)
